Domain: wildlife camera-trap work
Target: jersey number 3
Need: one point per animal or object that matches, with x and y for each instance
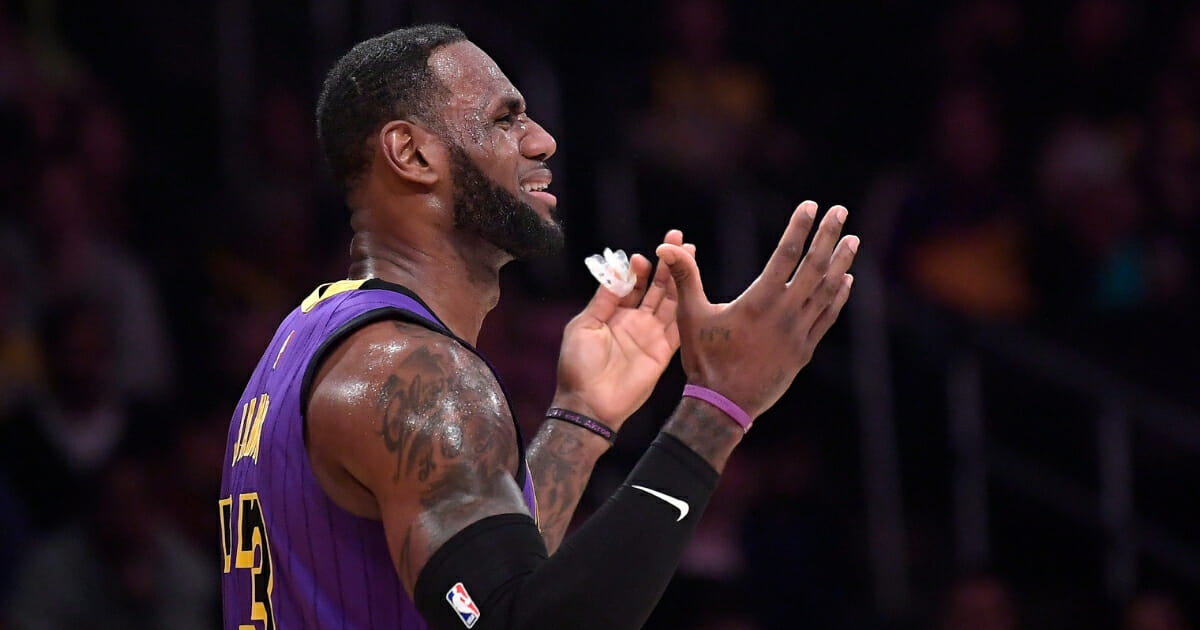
(249, 549)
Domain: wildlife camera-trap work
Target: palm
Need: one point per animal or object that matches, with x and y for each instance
(617, 362)
(615, 350)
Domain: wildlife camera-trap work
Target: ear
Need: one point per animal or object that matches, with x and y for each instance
(411, 152)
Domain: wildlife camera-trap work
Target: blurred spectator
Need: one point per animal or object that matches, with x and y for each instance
(72, 429)
(79, 251)
(1154, 611)
(958, 234)
(120, 567)
(1098, 231)
(709, 145)
(707, 110)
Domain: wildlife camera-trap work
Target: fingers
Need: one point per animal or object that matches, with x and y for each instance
(686, 274)
(602, 305)
(640, 266)
(661, 285)
(828, 290)
(669, 307)
(791, 245)
(830, 314)
(817, 262)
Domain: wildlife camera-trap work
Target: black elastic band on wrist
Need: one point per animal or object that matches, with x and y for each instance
(580, 420)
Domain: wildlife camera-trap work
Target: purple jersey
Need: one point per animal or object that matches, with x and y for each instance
(293, 558)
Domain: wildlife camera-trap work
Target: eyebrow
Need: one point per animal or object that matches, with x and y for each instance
(510, 104)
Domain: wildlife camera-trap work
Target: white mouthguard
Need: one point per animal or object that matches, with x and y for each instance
(612, 271)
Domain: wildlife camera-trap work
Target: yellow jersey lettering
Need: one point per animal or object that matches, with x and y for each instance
(253, 552)
(226, 508)
(254, 413)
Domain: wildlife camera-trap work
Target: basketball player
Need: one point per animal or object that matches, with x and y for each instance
(375, 477)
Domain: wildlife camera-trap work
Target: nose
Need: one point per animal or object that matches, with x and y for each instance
(537, 144)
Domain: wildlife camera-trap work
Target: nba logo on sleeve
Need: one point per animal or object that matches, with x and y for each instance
(462, 604)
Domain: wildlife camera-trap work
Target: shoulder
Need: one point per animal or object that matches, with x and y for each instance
(393, 397)
(374, 363)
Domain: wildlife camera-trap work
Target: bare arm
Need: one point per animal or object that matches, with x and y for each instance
(561, 459)
(409, 427)
(612, 356)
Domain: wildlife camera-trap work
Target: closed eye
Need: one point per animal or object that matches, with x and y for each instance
(511, 119)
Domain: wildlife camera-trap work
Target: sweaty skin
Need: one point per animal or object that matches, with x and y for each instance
(408, 427)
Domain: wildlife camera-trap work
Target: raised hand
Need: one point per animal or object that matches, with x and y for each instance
(614, 351)
(751, 349)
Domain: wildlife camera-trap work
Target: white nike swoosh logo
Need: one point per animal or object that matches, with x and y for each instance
(678, 504)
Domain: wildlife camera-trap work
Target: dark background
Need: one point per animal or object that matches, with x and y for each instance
(1001, 432)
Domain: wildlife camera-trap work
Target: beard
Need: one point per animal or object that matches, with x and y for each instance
(483, 208)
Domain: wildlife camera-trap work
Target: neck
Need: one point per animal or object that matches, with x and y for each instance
(457, 275)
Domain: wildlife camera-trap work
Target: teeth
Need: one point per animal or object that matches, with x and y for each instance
(534, 187)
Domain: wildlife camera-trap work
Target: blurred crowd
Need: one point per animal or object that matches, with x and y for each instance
(1007, 162)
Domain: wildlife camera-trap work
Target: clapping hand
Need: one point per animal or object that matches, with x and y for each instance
(615, 350)
(751, 349)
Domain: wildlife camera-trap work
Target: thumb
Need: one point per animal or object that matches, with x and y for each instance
(685, 273)
(602, 305)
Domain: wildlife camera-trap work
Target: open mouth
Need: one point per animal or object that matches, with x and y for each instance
(535, 186)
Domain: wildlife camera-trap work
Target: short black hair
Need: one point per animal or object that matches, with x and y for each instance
(381, 79)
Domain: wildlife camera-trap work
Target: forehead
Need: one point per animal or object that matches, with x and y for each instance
(471, 77)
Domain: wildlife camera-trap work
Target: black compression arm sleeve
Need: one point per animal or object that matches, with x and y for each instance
(607, 576)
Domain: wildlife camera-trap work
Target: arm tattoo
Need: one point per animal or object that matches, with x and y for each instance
(443, 420)
(561, 463)
(413, 410)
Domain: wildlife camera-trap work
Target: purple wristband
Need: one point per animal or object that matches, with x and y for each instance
(719, 401)
(578, 419)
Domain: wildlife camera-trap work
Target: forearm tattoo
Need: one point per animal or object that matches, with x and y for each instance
(561, 462)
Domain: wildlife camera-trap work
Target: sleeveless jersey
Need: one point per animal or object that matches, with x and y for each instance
(292, 558)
